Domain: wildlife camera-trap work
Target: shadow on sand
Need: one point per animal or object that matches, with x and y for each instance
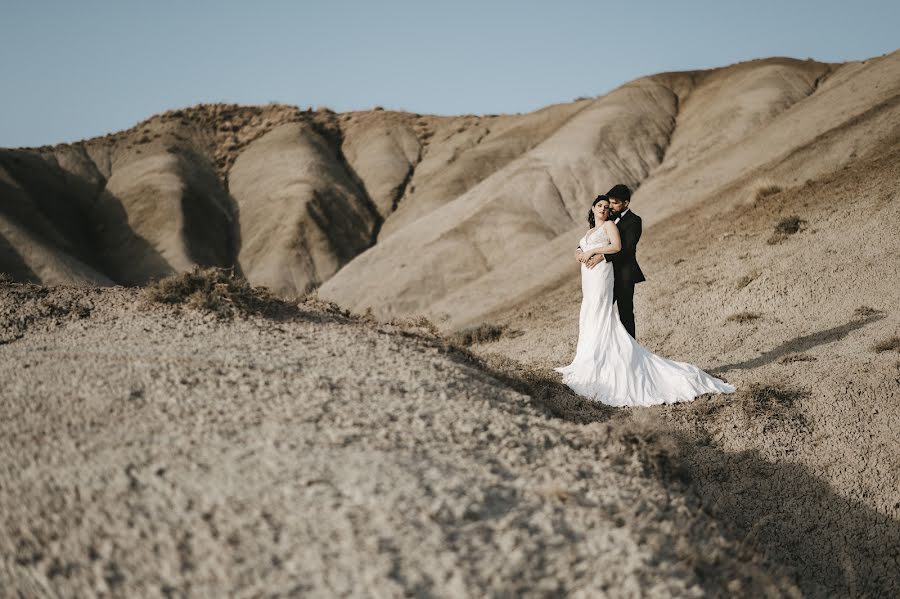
(829, 545)
(780, 514)
(13, 265)
(802, 344)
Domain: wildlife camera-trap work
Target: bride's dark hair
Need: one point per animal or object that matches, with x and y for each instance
(599, 198)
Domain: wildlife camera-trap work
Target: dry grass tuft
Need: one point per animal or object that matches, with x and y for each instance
(746, 279)
(6, 278)
(865, 312)
(744, 317)
(761, 189)
(418, 326)
(889, 344)
(789, 225)
(790, 359)
(774, 403)
(219, 291)
(785, 228)
(483, 333)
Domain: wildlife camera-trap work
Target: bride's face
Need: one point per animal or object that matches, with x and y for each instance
(601, 211)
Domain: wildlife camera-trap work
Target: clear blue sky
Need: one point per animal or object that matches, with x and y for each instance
(78, 69)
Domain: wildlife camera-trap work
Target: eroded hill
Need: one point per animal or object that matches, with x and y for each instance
(453, 217)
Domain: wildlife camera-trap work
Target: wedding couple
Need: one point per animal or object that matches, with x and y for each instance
(609, 365)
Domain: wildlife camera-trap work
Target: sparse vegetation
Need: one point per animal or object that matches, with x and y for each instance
(789, 225)
(786, 227)
(416, 325)
(865, 312)
(746, 279)
(219, 291)
(6, 278)
(889, 344)
(744, 317)
(774, 402)
(790, 359)
(761, 189)
(483, 333)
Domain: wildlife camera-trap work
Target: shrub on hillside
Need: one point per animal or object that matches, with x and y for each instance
(775, 402)
(216, 290)
(483, 333)
(789, 225)
(416, 325)
(785, 228)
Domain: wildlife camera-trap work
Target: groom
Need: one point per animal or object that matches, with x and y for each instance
(626, 271)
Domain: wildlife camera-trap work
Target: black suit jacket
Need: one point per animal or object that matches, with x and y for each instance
(625, 266)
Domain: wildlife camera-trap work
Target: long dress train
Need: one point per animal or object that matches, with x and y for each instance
(609, 365)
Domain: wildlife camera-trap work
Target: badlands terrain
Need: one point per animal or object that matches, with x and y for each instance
(384, 418)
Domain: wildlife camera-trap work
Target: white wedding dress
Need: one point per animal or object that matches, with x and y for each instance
(609, 365)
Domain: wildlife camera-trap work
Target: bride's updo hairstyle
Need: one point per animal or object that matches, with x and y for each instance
(599, 198)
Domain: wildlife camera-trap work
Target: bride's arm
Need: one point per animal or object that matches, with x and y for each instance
(614, 247)
(615, 241)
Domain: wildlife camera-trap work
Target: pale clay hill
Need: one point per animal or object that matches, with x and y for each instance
(405, 213)
(769, 193)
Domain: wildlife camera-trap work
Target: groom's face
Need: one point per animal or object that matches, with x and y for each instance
(617, 205)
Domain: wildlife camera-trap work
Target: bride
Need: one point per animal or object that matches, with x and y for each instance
(609, 365)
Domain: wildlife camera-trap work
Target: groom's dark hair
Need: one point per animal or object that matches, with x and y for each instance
(620, 192)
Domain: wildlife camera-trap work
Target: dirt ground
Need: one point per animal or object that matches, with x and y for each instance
(287, 448)
(803, 463)
(156, 450)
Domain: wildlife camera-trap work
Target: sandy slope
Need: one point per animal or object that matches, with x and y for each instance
(151, 452)
(804, 461)
(854, 113)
